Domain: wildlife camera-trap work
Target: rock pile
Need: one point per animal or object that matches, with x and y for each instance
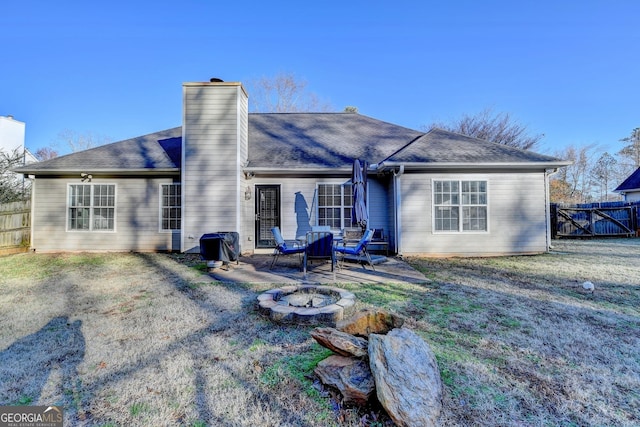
(375, 354)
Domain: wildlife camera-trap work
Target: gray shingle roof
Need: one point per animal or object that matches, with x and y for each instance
(290, 141)
(631, 183)
(322, 140)
(440, 146)
(156, 151)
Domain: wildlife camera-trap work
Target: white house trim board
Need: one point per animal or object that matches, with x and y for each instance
(479, 178)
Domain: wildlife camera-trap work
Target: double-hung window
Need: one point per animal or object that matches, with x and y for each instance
(335, 203)
(460, 206)
(91, 207)
(170, 207)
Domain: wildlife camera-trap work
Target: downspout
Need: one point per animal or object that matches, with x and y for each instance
(398, 210)
(547, 216)
(32, 178)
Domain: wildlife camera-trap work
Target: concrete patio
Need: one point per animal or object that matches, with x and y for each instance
(255, 269)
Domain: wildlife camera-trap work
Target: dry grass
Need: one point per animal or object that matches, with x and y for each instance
(140, 339)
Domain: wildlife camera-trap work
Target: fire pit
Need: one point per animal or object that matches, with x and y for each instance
(308, 305)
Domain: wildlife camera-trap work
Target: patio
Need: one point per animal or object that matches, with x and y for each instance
(255, 269)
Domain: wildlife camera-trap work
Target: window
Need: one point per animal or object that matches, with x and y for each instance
(170, 207)
(335, 203)
(92, 207)
(460, 206)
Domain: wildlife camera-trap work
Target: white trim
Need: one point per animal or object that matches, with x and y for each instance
(91, 207)
(460, 206)
(183, 168)
(33, 209)
(342, 205)
(160, 206)
(397, 188)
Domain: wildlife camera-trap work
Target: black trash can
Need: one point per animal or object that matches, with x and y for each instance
(221, 246)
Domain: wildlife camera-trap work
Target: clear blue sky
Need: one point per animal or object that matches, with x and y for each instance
(568, 69)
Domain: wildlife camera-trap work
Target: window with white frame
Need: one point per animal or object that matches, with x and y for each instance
(335, 203)
(460, 206)
(91, 207)
(170, 207)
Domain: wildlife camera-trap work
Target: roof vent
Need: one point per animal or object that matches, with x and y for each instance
(215, 80)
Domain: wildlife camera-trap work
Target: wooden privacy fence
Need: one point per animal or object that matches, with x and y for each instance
(15, 227)
(595, 219)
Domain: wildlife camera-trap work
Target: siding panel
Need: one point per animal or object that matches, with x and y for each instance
(214, 140)
(298, 204)
(137, 218)
(517, 216)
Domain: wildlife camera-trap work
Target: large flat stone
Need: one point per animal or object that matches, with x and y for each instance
(368, 321)
(407, 379)
(351, 376)
(340, 342)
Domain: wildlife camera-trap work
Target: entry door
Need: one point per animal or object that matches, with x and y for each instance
(267, 214)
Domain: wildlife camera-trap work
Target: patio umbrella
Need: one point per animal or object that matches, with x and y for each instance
(359, 182)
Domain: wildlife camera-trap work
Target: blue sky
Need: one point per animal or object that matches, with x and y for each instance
(567, 69)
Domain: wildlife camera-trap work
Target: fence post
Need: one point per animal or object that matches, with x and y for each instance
(553, 215)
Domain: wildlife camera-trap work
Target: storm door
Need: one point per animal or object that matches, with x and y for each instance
(267, 214)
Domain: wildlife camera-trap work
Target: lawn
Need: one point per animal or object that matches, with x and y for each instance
(147, 339)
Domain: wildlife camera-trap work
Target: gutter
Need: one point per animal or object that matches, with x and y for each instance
(547, 215)
(421, 166)
(398, 208)
(252, 171)
(98, 171)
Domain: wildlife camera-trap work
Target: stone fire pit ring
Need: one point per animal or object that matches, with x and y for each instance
(307, 304)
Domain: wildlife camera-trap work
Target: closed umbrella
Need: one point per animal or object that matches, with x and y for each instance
(359, 182)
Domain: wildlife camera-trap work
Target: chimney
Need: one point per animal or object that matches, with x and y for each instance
(214, 150)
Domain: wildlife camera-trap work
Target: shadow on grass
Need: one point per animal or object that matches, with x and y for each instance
(221, 320)
(27, 364)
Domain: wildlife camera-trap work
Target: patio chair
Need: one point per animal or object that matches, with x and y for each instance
(285, 247)
(358, 251)
(379, 239)
(352, 235)
(319, 246)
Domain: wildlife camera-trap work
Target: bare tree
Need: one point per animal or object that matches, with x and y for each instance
(13, 186)
(603, 173)
(496, 127)
(79, 141)
(46, 153)
(575, 183)
(283, 93)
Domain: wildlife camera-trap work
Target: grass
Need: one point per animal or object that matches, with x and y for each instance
(147, 339)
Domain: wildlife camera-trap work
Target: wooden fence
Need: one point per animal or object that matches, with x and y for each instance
(15, 227)
(608, 219)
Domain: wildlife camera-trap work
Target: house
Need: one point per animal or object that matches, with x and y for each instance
(12, 133)
(630, 187)
(435, 193)
(13, 186)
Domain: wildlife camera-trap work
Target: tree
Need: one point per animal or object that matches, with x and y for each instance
(632, 150)
(496, 127)
(603, 172)
(46, 153)
(283, 93)
(13, 186)
(79, 142)
(575, 182)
